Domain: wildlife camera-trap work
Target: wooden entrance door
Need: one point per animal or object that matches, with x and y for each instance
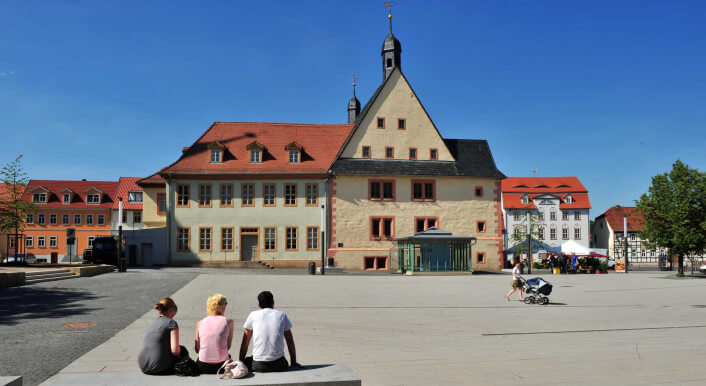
(249, 244)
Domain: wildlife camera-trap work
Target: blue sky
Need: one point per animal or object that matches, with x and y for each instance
(612, 91)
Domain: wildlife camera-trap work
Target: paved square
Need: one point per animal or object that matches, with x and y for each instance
(641, 328)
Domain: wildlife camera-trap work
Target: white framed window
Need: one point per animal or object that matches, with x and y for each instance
(565, 232)
(136, 217)
(552, 214)
(101, 219)
(90, 241)
(40, 218)
(294, 156)
(517, 216)
(29, 242)
(577, 215)
(564, 215)
(216, 156)
(577, 232)
(525, 199)
(552, 233)
(52, 219)
(134, 196)
(569, 199)
(77, 219)
(66, 198)
(633, 236)
(93, 198)
(65, 219)
(39, 197)
(255, 156)
(541, 215)
(541, 233)
(89, 219)
(52, 241)
(41, 242)
(29, 218)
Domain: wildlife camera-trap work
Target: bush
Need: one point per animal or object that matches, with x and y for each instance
(604, 266)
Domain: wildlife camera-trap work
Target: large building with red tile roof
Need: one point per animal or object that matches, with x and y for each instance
(609, 233)
(84, 206)
(246, 191)
(561, 204)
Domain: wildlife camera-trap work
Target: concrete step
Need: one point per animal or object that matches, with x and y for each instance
(236, 264)
(48, 275)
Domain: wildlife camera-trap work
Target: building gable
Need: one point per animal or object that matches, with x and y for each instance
(395, 100)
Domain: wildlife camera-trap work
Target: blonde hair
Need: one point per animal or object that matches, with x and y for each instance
(214, 302)
(165, 305)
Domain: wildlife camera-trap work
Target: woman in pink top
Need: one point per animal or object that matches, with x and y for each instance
(214, 335)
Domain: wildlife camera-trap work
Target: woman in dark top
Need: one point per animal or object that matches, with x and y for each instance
(160, 348)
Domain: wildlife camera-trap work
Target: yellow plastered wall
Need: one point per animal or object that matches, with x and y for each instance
(150, 217)
(397, 100)
(456, 207)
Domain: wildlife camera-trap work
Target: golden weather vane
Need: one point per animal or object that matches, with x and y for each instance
(389, 5)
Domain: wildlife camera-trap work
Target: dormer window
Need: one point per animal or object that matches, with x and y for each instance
(216, 152)
(93, 198)
(294, 156)
(256, 149)
(256, 156)
(39, 198)
(525, 199)
(134, 196)
(216, 156)
(295, 152)
(569, 199)
(66, 198)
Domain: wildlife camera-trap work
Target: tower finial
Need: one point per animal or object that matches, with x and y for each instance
(389, 4)
(353, 81)
(353, 105)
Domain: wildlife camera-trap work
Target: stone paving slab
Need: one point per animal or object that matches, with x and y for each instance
(634, 329)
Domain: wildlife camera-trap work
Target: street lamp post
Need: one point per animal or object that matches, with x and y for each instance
(625, 236)
(529, 245)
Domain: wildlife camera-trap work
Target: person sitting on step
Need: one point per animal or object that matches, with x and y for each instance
(269, 328)
(160, 346)
(214, 335)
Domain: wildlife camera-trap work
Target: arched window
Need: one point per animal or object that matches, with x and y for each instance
(565, 232)
(552, 214)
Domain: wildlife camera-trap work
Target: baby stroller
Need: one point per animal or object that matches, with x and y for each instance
(537, 290)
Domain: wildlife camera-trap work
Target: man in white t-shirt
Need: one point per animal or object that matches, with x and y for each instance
(268, 328)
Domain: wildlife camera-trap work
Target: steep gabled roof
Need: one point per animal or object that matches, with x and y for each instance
(319, 143)
(614, 217)
(370, 103)
(568, 184)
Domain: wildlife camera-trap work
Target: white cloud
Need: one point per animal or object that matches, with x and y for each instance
(6, 73)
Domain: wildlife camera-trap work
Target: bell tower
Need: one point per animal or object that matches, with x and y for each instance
(391, 51)
(353, 106)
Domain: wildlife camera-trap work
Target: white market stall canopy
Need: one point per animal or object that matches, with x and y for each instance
(571, 247)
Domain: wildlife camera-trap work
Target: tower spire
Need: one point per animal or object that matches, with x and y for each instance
(391, 48)
(353, 105)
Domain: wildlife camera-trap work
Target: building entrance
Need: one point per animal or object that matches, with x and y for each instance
(248, 244)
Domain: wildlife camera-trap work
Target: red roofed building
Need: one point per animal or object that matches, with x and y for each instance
(561, 204)
(81, 205)
(608, 233)
(246, 191)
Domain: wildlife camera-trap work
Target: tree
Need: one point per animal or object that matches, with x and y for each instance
(13, 206)
(674, 212)
(520, 233)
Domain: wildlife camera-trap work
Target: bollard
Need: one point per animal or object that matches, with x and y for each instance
(312, 268)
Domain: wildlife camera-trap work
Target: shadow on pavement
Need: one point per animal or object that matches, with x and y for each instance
(21, 303)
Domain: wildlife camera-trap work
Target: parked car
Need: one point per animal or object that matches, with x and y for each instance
(19, 258)
(103, 252)
(702, 269)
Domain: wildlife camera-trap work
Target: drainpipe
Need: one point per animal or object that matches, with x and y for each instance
(170, 211)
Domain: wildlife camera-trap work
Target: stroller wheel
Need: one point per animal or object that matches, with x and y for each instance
(530, 300)
(543, 300)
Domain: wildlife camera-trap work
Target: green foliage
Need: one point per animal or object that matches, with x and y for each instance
(537, 265)
(604, 266)
(12, 205)
(519, 234)
(674, 212)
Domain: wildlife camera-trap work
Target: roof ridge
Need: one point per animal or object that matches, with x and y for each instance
(287, 123)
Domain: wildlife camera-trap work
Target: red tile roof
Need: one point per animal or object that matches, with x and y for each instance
(125, 186)
(614, 217)
(320, 145)
(153, 180)
(78, 187)
(513, 188)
